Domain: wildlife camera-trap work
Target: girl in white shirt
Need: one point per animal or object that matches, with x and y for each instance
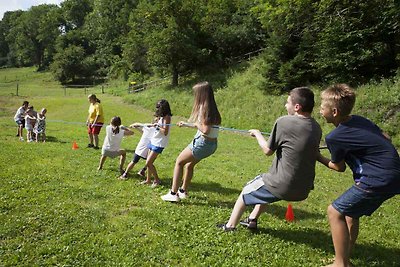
(158, 141)
(112, 143)
(206, 118)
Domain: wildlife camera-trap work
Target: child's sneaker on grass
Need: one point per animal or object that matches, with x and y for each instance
(21, 139)
(142, 173)
(251, 224)
(124, 176)
(170, 197)
(182, 193)
(155, 184)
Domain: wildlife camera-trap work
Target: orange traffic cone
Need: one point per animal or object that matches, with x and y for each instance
(289, 213)
(74, 146)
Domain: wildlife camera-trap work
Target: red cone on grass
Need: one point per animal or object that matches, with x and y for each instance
(289, 213)
(74, 145)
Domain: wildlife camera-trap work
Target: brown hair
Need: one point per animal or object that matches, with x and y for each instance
(94, 97)
(339, 96)
(205, 108)
(115, 122)
(162, 108)
(304, 97)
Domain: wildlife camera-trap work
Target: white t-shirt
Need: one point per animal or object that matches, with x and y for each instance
(141, 148)
(159, 139)
(112, 142)
(20, 114)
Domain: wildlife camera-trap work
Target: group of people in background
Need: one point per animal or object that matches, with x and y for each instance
(294, 139)
(34, 122)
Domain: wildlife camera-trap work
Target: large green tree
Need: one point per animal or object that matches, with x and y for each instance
(32, 38)
(106, 27)
(167, 31)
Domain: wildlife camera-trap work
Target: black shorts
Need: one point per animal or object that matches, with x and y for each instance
(136, 158)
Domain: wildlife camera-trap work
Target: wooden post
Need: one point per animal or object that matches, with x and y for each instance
(102, 89)
(65, 90)
(17, 88)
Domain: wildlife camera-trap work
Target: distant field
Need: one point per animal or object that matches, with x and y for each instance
(56, 209)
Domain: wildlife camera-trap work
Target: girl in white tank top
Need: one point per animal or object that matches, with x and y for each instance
(159, 140)
(206, 118)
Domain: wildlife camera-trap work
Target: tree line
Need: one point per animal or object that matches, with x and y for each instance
(303, 41)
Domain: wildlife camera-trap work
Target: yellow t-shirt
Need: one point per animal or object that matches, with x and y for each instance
(96, 110)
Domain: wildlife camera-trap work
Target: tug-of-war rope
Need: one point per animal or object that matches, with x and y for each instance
(172, 124)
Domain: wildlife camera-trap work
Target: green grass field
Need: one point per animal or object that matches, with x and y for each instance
(57, 209)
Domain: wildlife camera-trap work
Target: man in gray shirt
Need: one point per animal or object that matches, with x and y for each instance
(295, 141)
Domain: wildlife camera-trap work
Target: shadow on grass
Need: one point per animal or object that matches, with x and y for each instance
(279, 212)
(363, 255)
(53, 139)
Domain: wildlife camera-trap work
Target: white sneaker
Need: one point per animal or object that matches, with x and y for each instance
(170, 197)
(21, 139)
(182, 195)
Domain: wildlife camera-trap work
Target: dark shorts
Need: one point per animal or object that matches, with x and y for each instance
(255, 192)
(156, 149)
(20, 122)
(356, 202)
(95, 129)
(136, 158)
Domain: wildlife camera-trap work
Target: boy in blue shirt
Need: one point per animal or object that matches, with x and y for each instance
(374, 161)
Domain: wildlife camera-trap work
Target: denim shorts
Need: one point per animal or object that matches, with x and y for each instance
(357, 202)
(156, 149)
(202, 148)
(255, 192)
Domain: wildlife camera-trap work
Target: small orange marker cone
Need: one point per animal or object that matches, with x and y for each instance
(74, 146)
(289, 213)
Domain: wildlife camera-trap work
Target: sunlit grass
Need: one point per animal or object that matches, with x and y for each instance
(56, 209)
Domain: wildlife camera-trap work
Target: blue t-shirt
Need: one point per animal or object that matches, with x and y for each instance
(372, 158)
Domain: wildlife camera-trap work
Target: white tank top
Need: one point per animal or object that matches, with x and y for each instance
(112, 142)
(159, 138)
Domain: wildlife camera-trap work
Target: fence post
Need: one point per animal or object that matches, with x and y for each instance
(17, 88)
(102, 89)
(65, 90)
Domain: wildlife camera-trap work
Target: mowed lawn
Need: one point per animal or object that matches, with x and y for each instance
(57, 209)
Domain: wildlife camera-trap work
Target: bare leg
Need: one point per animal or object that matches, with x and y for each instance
(237, 212)
(122, 161)
(353, 226)
(340, 237)
(151, 168)
(187, 179)
(96, 140)
(129, 167)
(257, 211)
(184, 157)
(20, 130)
(102, 160)
(44, 137)
(90, 139)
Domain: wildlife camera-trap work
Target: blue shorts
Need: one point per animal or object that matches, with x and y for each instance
(255, 192)
(156, 149)
(202, 148)
(357, 202)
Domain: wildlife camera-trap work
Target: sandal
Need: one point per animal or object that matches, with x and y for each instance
(226, 228)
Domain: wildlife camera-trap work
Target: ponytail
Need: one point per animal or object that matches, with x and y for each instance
(116, 123)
